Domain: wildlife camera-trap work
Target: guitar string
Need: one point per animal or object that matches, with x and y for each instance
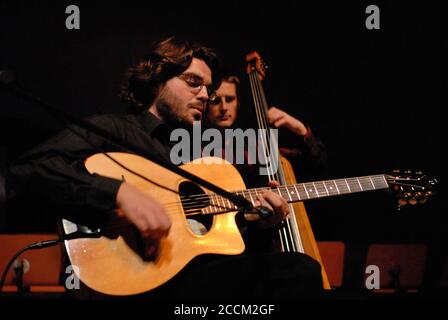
(208, 200)
(124, 222)
(215, 196)
(283, 189)
(175, 210)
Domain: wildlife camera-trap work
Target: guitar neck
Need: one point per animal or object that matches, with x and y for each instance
(322, 189)
(304, 191)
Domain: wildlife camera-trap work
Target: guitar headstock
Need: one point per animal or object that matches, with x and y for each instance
(255, 63)
(411, 187)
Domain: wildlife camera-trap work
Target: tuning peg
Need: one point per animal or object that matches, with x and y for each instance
(412, 201)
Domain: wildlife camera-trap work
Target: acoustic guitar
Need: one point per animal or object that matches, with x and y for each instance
(110, 260)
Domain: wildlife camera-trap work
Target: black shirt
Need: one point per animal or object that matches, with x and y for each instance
(53, 173)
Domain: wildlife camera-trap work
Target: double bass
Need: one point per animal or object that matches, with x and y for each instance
(295, 233)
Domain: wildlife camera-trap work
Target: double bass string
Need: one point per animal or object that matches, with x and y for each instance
(289, 242)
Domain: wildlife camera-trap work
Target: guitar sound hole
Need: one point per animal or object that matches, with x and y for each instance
(192, 205)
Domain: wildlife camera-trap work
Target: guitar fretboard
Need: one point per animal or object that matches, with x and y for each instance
(304, 191)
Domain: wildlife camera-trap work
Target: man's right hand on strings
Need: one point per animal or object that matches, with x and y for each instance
(143, 211)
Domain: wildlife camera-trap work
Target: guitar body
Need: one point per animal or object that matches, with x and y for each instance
(113, 265)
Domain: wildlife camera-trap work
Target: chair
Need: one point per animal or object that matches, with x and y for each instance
(332, 253)
(401, 266)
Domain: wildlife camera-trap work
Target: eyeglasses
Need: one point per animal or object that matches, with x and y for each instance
(215, 99)
(196, 83)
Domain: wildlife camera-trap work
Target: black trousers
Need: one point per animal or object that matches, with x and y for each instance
(273, 275)
(248, 276)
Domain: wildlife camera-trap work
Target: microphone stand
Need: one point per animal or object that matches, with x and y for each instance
(7, 79)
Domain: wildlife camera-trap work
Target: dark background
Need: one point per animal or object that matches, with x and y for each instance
(375, 97)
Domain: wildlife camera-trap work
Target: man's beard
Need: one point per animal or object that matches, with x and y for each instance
(171, 114)
(170, 117)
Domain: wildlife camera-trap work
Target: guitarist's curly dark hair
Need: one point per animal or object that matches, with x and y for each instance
(168, 58)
